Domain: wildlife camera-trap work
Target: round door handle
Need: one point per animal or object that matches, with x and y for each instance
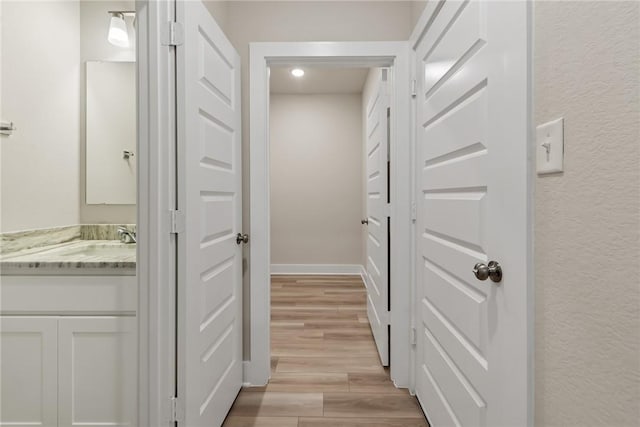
(364, 221)
(242, 238)
(492, 271)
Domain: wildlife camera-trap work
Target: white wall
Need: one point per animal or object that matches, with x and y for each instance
(417, 7)
(219, 10)
(40, 93)
(94, 46)
(587, 227)
(44, 48)
(316, 185)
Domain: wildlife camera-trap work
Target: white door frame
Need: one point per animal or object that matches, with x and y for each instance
(156, 196)
(368, 54)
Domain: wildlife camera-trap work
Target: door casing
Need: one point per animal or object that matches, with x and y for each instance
(156, 197)
(338, 54)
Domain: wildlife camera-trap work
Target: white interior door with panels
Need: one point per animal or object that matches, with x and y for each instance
(377, 221)
(209, 200)
(472, 365)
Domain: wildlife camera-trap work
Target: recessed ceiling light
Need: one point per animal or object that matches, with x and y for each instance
(297, 72)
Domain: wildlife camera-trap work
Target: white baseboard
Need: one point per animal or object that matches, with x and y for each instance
(317, 269)
(250, 377)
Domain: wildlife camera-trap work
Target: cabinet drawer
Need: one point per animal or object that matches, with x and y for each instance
(72, 295)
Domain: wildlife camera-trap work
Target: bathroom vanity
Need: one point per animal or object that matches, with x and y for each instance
(68, 324)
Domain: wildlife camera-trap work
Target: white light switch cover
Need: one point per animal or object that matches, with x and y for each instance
(550, 147)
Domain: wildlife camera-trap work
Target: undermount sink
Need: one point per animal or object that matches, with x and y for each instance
(106, 250)
(89, 251)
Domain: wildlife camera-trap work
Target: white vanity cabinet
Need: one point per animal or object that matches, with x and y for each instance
(68, 359)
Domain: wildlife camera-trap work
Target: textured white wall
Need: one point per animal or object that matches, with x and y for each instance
(587, 230)
(40, 64)
(94, 46)
(316, 185)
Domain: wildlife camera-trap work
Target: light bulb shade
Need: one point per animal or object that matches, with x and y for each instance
(297, 72)
(118, 34)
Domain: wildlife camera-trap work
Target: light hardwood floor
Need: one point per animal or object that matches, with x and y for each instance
(325, 367)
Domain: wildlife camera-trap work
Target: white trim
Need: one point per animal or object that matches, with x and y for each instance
(363, 274)
(424, 21)
(413, 307)
(370, 54)
(531, 179)
(317, 269)
(155, 197)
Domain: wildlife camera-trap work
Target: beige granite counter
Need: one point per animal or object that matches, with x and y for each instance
(75, 250)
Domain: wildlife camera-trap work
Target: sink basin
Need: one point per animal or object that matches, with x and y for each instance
(98, 250)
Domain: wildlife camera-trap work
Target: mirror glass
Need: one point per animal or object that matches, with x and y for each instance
(111, 133)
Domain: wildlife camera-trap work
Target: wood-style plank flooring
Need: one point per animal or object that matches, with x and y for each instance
(325, 366)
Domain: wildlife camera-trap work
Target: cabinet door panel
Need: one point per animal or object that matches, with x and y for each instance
(97, 371)
(29, 359)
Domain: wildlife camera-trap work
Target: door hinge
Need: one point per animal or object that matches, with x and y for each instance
(387, 210)
(414, 91)
(177, 222)
(175, 409)
(172, 34)
(414, 212)
(414, 336)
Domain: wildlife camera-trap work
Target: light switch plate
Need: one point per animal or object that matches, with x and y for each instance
(550, 147)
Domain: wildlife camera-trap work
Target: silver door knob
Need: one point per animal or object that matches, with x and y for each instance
(242, 238)
(364, 221)
(492, 271)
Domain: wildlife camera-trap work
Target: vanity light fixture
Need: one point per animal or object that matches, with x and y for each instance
(297, 72)
(118, 34)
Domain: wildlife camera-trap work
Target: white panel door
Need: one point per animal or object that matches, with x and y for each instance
(377, 216)
(472, 133)
(209, 196)
(97, 362)
(29, 371)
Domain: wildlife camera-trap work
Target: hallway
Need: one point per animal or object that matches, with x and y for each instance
(325, 367)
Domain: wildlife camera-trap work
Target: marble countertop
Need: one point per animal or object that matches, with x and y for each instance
(72, 257)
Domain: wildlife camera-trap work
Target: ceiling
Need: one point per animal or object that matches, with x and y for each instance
(317, 80)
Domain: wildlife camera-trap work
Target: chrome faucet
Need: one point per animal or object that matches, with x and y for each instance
(126, 236)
